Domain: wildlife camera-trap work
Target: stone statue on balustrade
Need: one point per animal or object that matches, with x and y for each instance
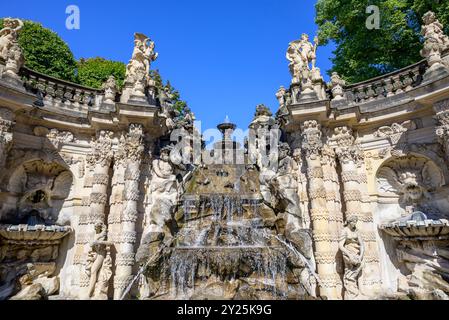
(10, 51)
(352, 247)
(99, 264)
(138, 68)
(301, 54)
(8, 36)
(435, 42)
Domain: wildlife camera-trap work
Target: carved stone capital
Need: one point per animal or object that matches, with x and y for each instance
(134, 143)
(102, 148)
(345, 147)
(311, 138)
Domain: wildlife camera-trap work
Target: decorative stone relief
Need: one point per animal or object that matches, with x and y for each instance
(41, 188)
(102, 148)
(395, 131)
(413, 179)
(346, 147)
(57, 137)
(312, 142)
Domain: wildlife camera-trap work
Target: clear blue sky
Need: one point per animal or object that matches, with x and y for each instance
(224, 56)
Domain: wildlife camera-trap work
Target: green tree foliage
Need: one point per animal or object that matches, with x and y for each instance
(94, 72)
(362, 53)
(44, 51)
(179, 104)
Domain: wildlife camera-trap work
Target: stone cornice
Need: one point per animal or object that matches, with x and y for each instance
(376, 105)
(57, 112)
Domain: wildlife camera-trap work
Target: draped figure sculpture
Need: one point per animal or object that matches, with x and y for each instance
(99, 264)
(352, 248)
(301, 54)
(8, 36)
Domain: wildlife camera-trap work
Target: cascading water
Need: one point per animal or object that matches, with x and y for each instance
(225, 248)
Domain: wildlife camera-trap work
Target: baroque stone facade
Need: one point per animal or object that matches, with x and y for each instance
(353, 205)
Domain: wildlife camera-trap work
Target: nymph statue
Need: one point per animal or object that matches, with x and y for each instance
(352, 248)
(138, 68)
(285, 186)
(164, 189)
(435, 41)
(8, 36)
(301, 53)
(98, 266)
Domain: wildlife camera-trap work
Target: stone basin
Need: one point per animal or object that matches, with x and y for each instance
(418, 229)
(34, 233)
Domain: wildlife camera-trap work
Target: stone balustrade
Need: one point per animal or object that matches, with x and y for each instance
(388, 85)
(46, 87)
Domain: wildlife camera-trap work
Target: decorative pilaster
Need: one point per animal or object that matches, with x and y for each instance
(442, 117)
(102, 153)
(355, 194)
(333, 200)
(125, 260)
(324, 255)
(6, 135)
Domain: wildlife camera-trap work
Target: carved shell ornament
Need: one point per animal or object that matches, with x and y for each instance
(410, 177)
(40, 186)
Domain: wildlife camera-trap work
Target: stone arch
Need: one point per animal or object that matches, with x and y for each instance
(430, 151)
(37, 187)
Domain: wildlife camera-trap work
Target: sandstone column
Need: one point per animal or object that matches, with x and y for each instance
(333, 200)
(103, 157)
(125, 252)
(116, 201)
(324, 256)
(355, 195)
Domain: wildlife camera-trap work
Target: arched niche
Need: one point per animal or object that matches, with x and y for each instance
(407, 183)
(37, 189)
(410, 183)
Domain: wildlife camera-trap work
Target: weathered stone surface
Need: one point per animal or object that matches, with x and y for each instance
(84, 177)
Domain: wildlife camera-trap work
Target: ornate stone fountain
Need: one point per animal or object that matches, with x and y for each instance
(422, 234)
(31, 233)
(229, 243)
